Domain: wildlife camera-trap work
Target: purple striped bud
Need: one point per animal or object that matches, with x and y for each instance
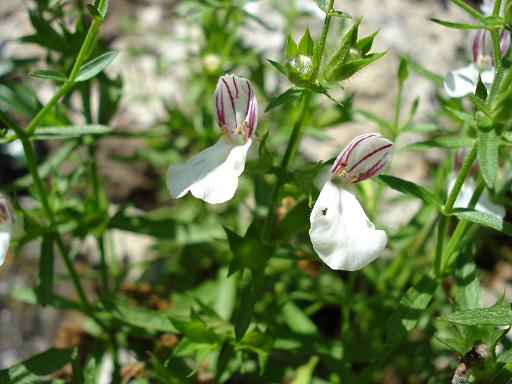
(235, 106)
(6, 214)
(364, 157)
(481, 49)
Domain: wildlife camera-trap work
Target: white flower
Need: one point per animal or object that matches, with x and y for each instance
(212, 174)
(341, 233)
(484, 204)
(7, 222)
(463, 81)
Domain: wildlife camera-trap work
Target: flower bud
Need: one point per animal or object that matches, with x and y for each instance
(235, 106)
(6, 214)
(364, 157)
(482, 47)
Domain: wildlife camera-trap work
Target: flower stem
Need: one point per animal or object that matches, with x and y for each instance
(498, 65)
(293, 142)
(441, 230)
(70, 82)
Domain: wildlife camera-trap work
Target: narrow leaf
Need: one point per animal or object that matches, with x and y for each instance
(49, 74)
(411, 307)
(286, 97)
(485, 219)
(488, 142)
(29, 371)
(441, 142)
(95, 66)
(69, 131)
(412, 189)
(280, 67)
(497, 315)
(451, 24)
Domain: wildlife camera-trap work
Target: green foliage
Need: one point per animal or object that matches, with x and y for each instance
(201, 302)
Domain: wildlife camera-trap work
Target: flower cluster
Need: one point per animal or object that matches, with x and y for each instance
(341, 233)
(212, 174)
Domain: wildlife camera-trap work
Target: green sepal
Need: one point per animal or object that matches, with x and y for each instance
(306, 44)
(291, 47)
(248, 251)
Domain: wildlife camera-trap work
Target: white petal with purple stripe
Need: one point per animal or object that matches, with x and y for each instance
(235, 106)
(364, 157)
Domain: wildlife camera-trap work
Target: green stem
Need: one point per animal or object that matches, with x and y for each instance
(496, 8)
(396, 120)
(461, 177)
(441, 230)
(498, 64)
(323, 38)
(70, 82)
(469, 9)
(291, 149)
(293, 142)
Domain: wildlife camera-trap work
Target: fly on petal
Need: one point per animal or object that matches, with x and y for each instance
(235, 107)
(364, 157)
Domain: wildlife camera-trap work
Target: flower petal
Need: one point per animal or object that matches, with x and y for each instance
(484, 204)
(341, 233)
(212, 174)
(235, 105)
(462, 81)
(5, 237)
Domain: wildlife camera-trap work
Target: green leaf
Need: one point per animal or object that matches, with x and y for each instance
(31, 370)
(305, 46)
(196, 330)
(95, 66)
(341, 15)
(90, 371)
(497, 315)
(410, 308)
(488, 142)
(451, 24)
(45, 282)
(297, 320)
(485, 219)
(259, 343)
(103, 9)
(304, 373)
(467, 284)
(245, 307)
(350, 67)
(49, 74)
(94, 12)
(147, 319)
(287, 96)
(412, 189)
(280, 67)
(339, 58)
(291, 47)
(248, 251)
(441, 142)
(322, 4)
(403, 70)
(69, 131)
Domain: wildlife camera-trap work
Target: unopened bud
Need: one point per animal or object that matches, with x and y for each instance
(364, 157)
(6, 213)
(303, 64)
(235, 106)
(481, 49)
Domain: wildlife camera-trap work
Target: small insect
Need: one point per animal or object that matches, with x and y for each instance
(324, 211)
